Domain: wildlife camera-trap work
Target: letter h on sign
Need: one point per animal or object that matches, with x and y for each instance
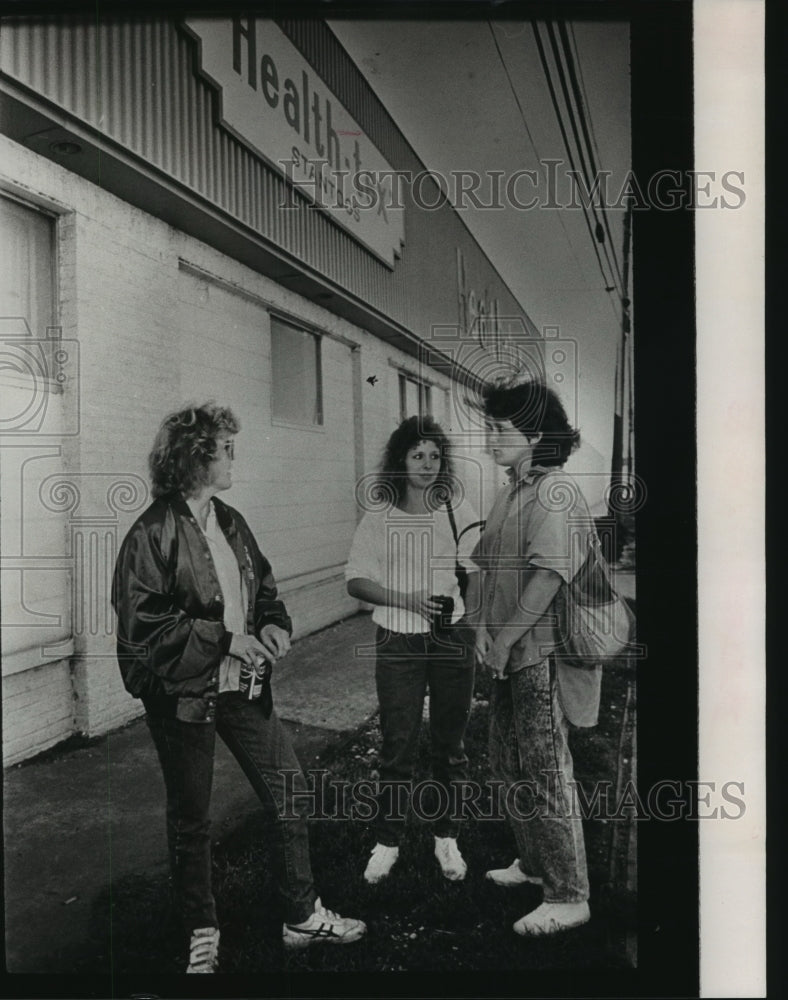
(247, 32)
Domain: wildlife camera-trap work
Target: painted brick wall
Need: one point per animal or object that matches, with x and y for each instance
(38, 710)
(162, 319)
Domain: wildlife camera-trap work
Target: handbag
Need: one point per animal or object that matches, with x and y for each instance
(460, 571)
(595, 623)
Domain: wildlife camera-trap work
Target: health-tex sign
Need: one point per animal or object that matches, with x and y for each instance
(273, 101)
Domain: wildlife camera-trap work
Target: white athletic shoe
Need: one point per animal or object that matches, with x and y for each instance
(204, 950)
(451, 861)
(549, 918)
(512, 876)
(381, 861)
(322, 927)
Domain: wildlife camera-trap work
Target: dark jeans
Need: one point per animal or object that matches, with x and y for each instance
(263, 749)
(528, 744)
(406, 666)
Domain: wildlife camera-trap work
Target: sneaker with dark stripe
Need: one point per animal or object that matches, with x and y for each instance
(323, 927)
(204, 950)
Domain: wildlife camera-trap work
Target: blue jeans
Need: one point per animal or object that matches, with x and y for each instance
(263, 749)
(406, 666)
(528, 744)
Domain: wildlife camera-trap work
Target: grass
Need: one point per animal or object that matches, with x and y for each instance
(417, 921)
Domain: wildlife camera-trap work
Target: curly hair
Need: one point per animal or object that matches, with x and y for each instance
(534, 408)
(185, 446)
(392, 477)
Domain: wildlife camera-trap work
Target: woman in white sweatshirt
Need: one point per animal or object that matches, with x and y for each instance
(404, 561)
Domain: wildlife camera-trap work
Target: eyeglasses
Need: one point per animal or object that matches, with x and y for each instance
(229, 448)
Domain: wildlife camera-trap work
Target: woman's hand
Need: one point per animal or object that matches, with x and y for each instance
(248, 649)
(482, 646)
(276, 641)
(419, 603)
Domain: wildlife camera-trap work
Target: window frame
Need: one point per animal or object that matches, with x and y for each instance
(54, 219)
(424, 389)
(299, 326)
(59, 645)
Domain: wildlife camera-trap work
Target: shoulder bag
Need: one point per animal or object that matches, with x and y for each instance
(595, 624)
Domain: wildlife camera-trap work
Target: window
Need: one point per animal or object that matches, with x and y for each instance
(37, 365)
(415, 397)
(27, 274)
(297, 390)
(35, 592)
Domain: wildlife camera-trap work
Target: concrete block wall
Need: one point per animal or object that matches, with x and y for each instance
(38, 710)
(162, 319)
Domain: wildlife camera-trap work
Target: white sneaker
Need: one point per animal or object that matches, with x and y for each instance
(549, 918)
(451, 861)
(323, 926)
(381, 861)
(204, 950)
(512, 876)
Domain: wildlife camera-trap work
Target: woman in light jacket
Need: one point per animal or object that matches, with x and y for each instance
(537, 526)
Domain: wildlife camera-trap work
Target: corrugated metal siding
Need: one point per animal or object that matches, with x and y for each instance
(135, 82)
(321, 47)
(431, 290)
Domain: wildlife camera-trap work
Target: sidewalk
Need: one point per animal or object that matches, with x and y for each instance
(78, 821)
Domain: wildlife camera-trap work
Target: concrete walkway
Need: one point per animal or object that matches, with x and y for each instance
(78, 821)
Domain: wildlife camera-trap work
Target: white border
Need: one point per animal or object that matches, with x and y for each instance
(729, 135)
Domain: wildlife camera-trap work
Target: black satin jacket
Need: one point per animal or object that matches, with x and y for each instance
(171, 636)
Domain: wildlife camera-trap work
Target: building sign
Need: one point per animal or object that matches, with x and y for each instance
(274, 102)
(510, 342)
(478, 310)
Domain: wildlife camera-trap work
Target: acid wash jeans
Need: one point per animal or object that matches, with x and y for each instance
(263, 749)
(529, 748)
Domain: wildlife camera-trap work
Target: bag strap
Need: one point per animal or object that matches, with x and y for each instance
(583, 584)
(595, 543)
(453, 523)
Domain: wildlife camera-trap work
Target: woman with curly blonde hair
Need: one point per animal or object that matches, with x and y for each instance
(200, 626)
